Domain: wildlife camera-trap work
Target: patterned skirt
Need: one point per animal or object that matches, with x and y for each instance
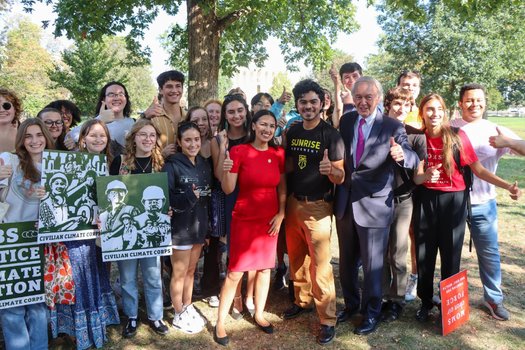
(95, 306)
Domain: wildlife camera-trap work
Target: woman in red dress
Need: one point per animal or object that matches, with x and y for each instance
(258, 168)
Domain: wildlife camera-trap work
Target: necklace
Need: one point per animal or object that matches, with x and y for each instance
(140, 166)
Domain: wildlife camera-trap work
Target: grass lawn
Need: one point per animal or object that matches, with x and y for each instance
(481, 332)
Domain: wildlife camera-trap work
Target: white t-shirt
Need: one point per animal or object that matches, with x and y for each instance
(23, 205)
(479, 133)
(118, 129)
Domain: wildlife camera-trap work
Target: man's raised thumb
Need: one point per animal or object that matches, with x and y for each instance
(498, 130)
(392, 142)
(325, 154)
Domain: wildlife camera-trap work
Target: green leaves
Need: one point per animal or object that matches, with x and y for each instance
(449, 49)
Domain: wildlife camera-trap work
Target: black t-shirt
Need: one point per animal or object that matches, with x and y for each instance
(306, 149)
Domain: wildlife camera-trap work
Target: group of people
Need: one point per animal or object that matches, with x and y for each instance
(377, 169)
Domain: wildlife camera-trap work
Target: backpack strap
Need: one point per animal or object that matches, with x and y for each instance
(468, 178)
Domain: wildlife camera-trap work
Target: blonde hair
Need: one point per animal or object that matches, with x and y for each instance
(84, 131)
(129, 155)
(451, 139)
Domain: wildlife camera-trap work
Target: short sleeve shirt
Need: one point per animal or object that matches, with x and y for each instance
(306, 150)
(455, 182)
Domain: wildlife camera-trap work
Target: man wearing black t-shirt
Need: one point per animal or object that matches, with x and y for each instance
(314, 163)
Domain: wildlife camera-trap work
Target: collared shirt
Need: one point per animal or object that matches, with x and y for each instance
(166, 126)
(367, 127)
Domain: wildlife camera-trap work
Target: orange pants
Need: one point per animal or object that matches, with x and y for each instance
(308, 234)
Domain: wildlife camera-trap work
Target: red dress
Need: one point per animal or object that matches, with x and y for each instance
(251, 247)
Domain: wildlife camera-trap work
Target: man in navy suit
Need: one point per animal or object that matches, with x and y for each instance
(375, 145)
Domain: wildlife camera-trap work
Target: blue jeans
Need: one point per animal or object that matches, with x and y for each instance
(152, 282)
(485, 236)
(25, 327)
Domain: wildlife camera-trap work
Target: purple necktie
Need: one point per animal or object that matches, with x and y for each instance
(360, 142)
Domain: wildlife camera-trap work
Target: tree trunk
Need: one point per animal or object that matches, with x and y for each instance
(203, 45)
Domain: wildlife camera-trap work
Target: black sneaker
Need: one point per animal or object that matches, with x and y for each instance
(159, 327)
(131, 328)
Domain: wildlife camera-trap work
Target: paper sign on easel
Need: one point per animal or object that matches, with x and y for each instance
(454, 301)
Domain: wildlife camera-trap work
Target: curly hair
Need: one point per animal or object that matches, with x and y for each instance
(129, 155)
(11, 97)
(27, 166)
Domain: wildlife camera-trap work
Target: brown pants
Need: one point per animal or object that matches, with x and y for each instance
(308, 233)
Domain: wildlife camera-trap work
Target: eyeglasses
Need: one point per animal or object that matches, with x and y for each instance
(7, 106)
(113, 95)
(144, 135)
(54, 122)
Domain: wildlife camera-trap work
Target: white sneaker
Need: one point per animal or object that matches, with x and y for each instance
(186, 323)
(213, 301)
(195, 315)
(411, 291)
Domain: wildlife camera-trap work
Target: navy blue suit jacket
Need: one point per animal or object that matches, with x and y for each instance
(368, 185)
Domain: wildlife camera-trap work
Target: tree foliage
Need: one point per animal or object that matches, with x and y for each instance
(322, 76)
(220, 34)
(450, 51)
(89, 65)
(24, 67)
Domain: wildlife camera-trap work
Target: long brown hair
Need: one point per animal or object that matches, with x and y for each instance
(450, 138)
(84, 131)
(131, 148)
(27, 166)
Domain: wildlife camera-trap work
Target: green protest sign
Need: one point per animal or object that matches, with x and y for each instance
(69, 211)
(21, 265)
(133, 216)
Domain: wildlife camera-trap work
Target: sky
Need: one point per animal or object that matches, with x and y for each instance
(359, 44)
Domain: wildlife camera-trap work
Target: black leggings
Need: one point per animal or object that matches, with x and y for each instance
(439, 224)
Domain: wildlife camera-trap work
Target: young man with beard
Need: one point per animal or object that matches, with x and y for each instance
(314, 163)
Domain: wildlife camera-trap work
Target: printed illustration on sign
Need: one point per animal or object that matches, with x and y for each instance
(69, 211)
(134, 220)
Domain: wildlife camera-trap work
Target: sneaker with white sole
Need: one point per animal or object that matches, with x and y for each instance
(213, 301)
(411, 291)
(497, 311)
(196, 315)
(186, 323)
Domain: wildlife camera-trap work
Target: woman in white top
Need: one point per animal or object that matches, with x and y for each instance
(25, 327)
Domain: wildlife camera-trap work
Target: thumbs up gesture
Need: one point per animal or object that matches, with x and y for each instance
(106, 115)
(334, 75)
(196, 191)
(514, 190)
(500, 140)
(282, 121)
(227, 165)
(325, 166)
(432, 173)
(285, 96)
(396, 151)
(5, 170)
(154, 109)
(346, 95)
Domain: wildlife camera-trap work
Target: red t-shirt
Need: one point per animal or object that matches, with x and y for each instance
(435, 157)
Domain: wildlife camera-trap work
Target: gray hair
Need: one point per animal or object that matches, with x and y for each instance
(369, 80)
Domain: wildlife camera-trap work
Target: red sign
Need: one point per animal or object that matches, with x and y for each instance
(454, 301)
